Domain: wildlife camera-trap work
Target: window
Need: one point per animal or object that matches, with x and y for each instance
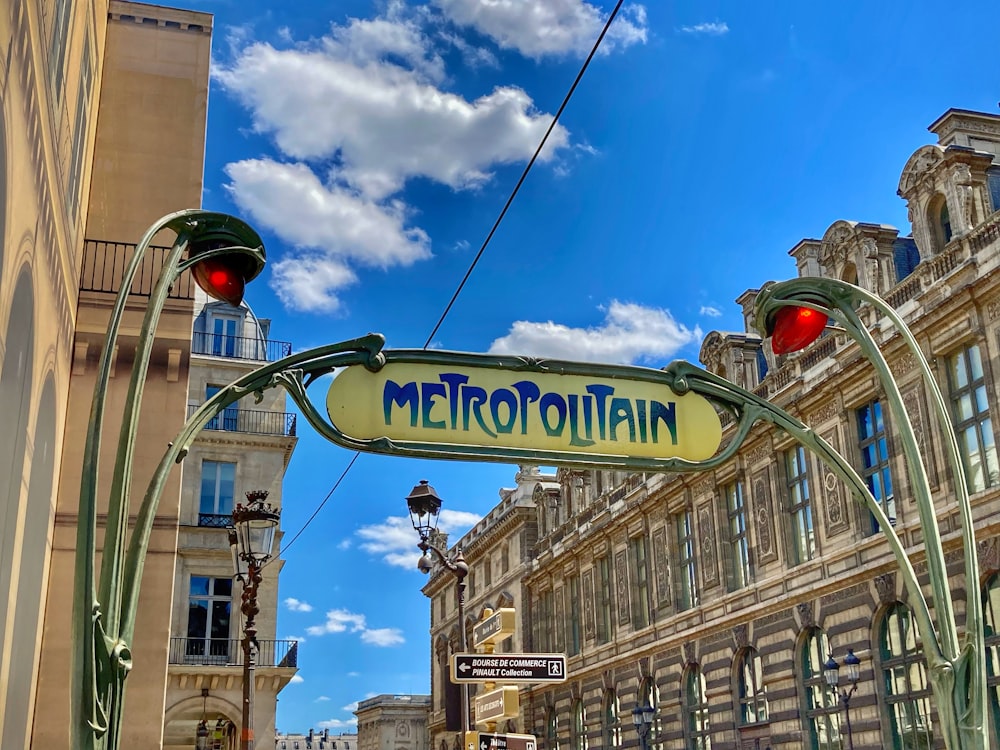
(552, 729)
(940, 222)
(993, 180)
(58, 44)
(687, 590)
(696, 726)
(579, 726)
(217, 482)
(991, 626)
(80, 128)
(612, 729)
(605, 619)
(875, 460)
(907, 694)
(640, 582)
(973, 426)
(750, 687)
(803, 538)
(649, 695)
(229, 419)
(209, 604)
(738, 558)
(822, 710)
(504, 559)
(225, 334)
(573, 630)
(544, 622)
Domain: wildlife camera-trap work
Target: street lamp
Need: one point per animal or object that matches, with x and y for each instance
(425, 505)
(643, 717)
(254, 525)
(831, 672)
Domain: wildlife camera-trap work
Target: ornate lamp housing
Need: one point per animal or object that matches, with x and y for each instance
(235, 255)
(255, 524)
(853, 665)
(239, 564)
(424, 505)
(831, 672)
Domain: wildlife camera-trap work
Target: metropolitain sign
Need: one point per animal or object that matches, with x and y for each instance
(458, 405)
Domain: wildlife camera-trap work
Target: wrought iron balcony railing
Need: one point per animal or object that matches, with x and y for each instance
(237, 347)
(252, 422)
(228, 652)
(104, 264)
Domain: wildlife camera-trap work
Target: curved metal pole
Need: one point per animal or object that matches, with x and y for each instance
(99, 668)
(959, 685)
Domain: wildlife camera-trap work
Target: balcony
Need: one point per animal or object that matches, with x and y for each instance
(228, 652)
(251, 422)
(104, 264)
(237, 347)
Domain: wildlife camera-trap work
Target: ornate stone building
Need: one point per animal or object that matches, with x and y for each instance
(393, 722)
(717, 597)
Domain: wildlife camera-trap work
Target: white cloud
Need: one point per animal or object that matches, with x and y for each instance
(629, 333)
(338, 621)
(296, 638)
(322, 698)
(396, 541)
(296, 605)
(352, 707)
(537, 28)
(711, 312)
(383, 637)
(353, 674)
(296, 679)
(338, 724)
(345, 544)
(715, 28)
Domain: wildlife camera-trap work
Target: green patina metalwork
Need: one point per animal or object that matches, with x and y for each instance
(957, 669)
(104, 622)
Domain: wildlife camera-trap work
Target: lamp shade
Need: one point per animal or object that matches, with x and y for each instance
(853, 665)
(234, 254)
(239, 564)
(255, 524)
(424, 505)
(831, 672)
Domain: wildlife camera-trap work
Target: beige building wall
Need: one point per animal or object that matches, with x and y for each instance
(153, 92)
(48, 101)
(393, 722)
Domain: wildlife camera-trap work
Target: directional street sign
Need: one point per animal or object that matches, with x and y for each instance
(496, 627)
(497, 705)
(508, 667)
(503, 742)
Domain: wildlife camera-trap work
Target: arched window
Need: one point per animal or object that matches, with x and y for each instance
(610, 726)
(649, 695)
(552, 729)
(579, 729)
(822, 717)
(991, 626)
(907, 694)
(750, 687)
(696, 725)
(940, 222)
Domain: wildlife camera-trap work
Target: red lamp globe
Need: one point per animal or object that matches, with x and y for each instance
(219, 279)
(794, 328)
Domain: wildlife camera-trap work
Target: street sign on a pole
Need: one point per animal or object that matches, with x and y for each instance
(498, 626)
(486, 741)
(496, 705)
(508, 667)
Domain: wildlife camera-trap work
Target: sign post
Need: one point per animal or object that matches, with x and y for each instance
(508, 668)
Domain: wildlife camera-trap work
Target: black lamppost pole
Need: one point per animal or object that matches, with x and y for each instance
(831, 671)
(250, 543)
(642, 718)
(425, 505)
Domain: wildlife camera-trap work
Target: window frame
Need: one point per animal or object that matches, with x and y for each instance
(639, 558)
(740, 572)
(213, 647)
(973, 389)
(611, 727)
(579, 727)
(695, 709)
(605, 603)
(903, 667)
(798, 506)
(687, 567)
(876, 463)
(824, 713)
(751, 696)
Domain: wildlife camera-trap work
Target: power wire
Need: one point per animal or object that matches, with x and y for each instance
(524, 174)
(482, 249)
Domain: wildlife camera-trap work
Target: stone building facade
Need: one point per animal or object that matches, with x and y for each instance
(393, 722)
(716, 597)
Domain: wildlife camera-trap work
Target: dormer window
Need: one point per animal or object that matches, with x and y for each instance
(940, 222)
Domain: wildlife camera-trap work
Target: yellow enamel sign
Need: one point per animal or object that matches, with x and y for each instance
(502, 408)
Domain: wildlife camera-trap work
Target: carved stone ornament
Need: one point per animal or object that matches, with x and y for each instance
(829, 410)
(690, 654)
(621, 575)
(989, 555)
(402, 729)
(902, 364)
(662, 564)
(709, 560)
(993, 309)
(885, 586)
(588, 604)
(806, 614)
(758, 454)
(741, 636)
(767, 550)
(834, 501)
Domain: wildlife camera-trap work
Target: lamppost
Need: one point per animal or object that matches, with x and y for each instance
(425, 505)
(223, 253)
(254, 525)
(643, 717)
(831, 672)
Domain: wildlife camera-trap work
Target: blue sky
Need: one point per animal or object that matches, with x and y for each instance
(373, 145)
